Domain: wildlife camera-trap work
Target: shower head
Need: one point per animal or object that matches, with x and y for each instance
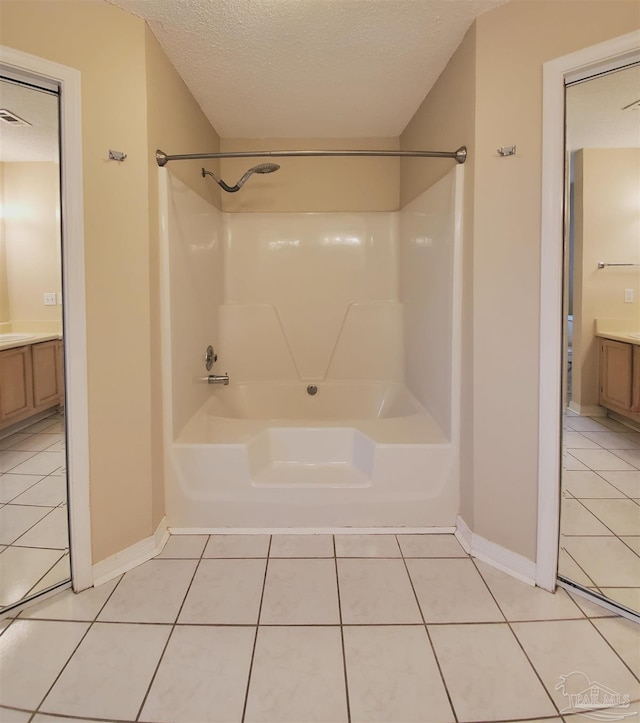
(262, 168)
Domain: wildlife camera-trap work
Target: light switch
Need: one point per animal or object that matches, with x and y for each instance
(628, 296)
(50, 298)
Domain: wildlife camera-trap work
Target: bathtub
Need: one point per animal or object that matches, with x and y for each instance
(271, 456)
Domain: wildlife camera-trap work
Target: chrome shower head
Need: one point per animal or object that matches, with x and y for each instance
(262, 168)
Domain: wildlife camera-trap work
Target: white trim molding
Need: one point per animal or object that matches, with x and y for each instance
(132, 556)
(556, 73)
(312, 530)
(75, 327)
(495, 555)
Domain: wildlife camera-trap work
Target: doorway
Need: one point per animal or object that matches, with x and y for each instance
(34, 529)
(600, 479)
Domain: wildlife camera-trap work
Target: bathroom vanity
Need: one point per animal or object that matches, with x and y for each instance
(620, 372)
(31, 377)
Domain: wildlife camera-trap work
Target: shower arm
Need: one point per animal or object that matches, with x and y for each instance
(460, 155)
(222, 184)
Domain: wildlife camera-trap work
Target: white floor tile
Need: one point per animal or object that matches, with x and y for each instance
(20, 570)
(577, 440)
(627, 482)
(60, 572)
(627, 596)
(15, 520)
(601, 459)
(575, 519)
(367, 546)
(573, 647)
(12, 485)
(632, 542)
(150, 593)
(225, 592)
(298, 675)
(184, 546)
(393, 676)
(52, 531)
(519, 601)
(43, 718)
(584, 485)
(237, 546)
(622, 517)
(594, 555)
(109, 674)
(585, 424)
(36, 442)
(8, 715)
(33, 653)
(590, 609)
(49, 492)
(13, 439)
(203, 676)
(624, 638)
(376, 592)
(612, 425)
(452, 591)
(9, 460)
(487, 674)
(301, 546)
(631, 456)
(52, 424)
(570, 463)
(300, 592)
(68, 605)
(611, 440)
(568, 568)
(430, 546)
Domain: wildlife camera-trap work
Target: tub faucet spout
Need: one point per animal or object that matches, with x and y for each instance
(217, 379)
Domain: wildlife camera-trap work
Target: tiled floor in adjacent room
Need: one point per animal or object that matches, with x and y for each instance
(600, 525)
(314, 628)
(34, 537)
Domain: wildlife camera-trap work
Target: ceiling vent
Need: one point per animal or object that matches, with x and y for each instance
(11, 118)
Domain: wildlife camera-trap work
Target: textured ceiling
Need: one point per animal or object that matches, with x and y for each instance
(309, 68)
(596, 114)
(37, 142)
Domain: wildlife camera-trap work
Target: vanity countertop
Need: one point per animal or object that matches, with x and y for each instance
(618, 330)
(12, 341)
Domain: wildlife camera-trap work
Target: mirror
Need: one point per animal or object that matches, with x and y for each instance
(34, 537)
(600, 514)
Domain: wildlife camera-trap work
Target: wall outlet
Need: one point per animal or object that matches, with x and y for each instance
(628, 296)
(50, 298)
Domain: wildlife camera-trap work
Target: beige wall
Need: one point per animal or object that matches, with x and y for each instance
(312, 184)
(446, 121)
(607, 228)
(128, 89)
(502, 248)
(30, 203)
(175, 124)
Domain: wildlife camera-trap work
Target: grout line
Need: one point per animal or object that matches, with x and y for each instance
(426, 629)
(604, 637)
(344, 654)
(255, 639)
(173, 627)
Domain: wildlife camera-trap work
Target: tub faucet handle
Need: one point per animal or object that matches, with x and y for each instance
(210, 357)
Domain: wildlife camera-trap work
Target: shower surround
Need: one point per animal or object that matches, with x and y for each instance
(366, 307)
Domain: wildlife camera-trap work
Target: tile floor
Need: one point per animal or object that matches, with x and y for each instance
(33, 510)
(600, 525)
(314, 628)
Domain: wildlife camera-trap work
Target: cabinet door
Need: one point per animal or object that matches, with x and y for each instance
(60, 370)
(16, 392)
(615, 374)
(46, 392)
(635, 383)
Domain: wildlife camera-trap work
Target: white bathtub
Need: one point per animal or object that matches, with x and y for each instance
(269, 455)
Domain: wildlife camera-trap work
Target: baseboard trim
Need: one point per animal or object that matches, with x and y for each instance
(588, 411)
(132, 556)
(312, 530)
(495, 555)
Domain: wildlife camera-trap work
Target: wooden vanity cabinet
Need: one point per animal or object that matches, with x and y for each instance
(620, 378)
(31, 380)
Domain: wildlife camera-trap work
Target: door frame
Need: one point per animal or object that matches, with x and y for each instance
(74, 309)
(556, 73)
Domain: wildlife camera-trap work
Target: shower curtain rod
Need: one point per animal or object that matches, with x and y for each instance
(459, 155)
